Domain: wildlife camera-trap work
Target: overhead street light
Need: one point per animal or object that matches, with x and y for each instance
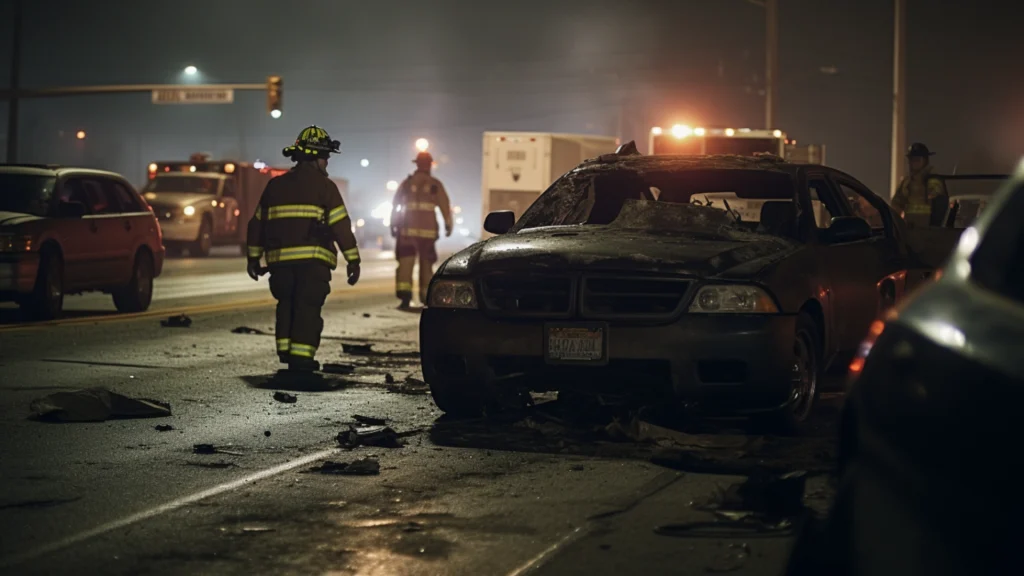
(191, 70)
(422, 144)
(364, 162)
(80, 135)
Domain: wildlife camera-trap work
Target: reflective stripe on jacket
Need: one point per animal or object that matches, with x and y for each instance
(415, 205)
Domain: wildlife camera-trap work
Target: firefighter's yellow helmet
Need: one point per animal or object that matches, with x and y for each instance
(313, 142)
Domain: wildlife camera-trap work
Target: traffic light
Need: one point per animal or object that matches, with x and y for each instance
(274, 95)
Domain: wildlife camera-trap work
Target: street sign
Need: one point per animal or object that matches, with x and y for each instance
(194, 96)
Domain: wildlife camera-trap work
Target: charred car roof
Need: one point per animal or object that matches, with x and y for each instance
(665, 163)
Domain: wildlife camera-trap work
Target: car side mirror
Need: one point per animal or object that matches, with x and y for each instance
(847, 229)
(71, 210)
(499, 222)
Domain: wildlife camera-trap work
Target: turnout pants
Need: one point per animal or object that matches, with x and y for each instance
(408, 250)
(301, 290)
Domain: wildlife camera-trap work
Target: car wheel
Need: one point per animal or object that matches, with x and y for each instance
(47, 300)
(459, 398)
(204, 243)
(138, 294)
(805, 378)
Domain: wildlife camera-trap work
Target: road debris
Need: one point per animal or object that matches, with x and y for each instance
(248, 330)
(365, 348)
(257, 529)
(179, 321)
(769, 495)
(369, 420)
(410, 385)
(266, 433)
(337, 368)
(163, 427)
(734, 559)
(95, 405)
(211, 449)
(379, 436)
(389, 379)
(362, 467)
(366, 314)
(285, 397)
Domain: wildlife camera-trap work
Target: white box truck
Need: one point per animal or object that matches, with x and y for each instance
(519, 166)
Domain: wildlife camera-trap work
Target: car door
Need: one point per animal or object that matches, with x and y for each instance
(77, 237)
(854, 269)
(106, 240)
(135, 224)
(227, 210)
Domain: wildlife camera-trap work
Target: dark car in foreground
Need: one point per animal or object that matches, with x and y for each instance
(929, 443)
(68, 230)
(726, 283)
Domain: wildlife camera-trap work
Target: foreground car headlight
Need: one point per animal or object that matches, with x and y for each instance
(189, 210)
(452, 294)
(733, 299)
(11, 243)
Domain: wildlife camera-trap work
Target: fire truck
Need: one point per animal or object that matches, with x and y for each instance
(201, 203)
(683, 139)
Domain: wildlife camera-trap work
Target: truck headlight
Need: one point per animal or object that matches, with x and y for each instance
(12, 243)
(732, 298)
(452, 294)
(189, 210)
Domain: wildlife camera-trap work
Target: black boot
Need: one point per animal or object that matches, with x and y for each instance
(299, 364)
(405, 302)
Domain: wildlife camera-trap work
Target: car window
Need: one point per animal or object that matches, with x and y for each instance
(998, 262)
(821, 198)
(87, 192)
(125, 200)
(186, 184)
(861, 207)
(599, 196)
(229, 188)
(26, 193)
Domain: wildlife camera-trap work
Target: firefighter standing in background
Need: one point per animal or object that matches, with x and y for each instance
(299, 218)
(921, 196)
(414, 226)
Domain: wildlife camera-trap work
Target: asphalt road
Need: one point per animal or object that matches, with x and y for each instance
(524, 494)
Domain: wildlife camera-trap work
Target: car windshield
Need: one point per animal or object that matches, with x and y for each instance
(972, 193)
(187, 184)
(26, 193)
(668, 201)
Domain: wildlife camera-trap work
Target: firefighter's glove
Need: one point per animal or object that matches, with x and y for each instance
(254, 269)
(447, 232)
(353, 273)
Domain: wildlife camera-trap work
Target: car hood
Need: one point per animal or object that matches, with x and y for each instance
(606, 249)
(176, 199)
(9, 220)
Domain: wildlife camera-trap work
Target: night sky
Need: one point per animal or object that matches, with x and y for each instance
(379, 74)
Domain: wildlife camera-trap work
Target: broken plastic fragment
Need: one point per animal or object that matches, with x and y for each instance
(363, 467)
(95, 405)
(338, 368)
(380, 436)
(357, 348)
(179, 321)
(247, 330)
(285, 397)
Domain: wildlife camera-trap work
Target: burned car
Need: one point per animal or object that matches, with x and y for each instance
(727, 283)
(933, 401)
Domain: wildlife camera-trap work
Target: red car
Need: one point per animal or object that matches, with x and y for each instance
(73, 230)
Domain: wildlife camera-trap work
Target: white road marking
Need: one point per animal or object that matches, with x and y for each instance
(163, 508)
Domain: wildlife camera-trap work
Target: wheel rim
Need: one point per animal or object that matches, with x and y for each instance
(805, 378)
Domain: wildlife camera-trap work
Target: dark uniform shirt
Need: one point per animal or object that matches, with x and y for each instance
(300, 217)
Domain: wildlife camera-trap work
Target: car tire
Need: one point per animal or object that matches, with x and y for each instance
(138, 294)
(204, 242)
(47, 299)
(461, 398)
(805, 383)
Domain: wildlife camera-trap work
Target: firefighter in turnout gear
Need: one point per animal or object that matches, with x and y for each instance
(299, 219)
(414, 226)
(921, 197)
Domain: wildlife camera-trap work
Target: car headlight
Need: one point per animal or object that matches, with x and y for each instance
(452, 294)
(189, 210)
(11, 243)
(735, 299)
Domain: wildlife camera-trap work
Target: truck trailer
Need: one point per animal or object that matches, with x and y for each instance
(519, 166)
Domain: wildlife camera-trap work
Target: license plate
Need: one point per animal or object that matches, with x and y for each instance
(575, 344)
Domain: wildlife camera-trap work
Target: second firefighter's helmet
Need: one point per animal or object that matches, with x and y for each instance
(313, 142)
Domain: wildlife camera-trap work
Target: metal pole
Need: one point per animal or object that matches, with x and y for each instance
(12, 106)
(771, 67)
(899, 95)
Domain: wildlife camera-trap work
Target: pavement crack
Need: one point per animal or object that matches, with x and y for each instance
(49, 503)
(114, 364)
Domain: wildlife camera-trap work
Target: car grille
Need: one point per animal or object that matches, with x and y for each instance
(528, 295)
(609, 297)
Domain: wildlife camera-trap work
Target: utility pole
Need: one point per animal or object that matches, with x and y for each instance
(899, 94)
(12, 105)
(771, 65)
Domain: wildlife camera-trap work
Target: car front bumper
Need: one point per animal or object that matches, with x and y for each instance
(720, 363)
(17, 274)
(181, 229)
